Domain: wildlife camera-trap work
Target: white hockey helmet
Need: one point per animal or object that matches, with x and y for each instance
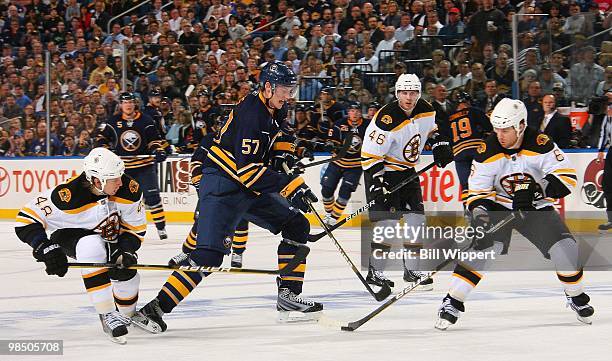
(102, 164)
(408, 82)
(509, 113)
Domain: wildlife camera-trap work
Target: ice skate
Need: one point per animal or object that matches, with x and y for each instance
(448, 313)
(378, 278)
(580, 305)
(115, 325)
(149, 318)
(162, 234)
(178, 259)
(604, 228)
(416, 276)
(329, 220)
(293, 308)
(236, 260)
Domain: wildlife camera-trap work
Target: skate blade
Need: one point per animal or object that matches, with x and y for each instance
(421, 288)
(121, 340)
(442, 324)
(146, 324)
(585, 320)
(298, 317)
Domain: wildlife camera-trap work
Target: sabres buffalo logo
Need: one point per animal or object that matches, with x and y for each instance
(411, 150)
(592, 188)
(130, 140)
(65, 194)
(510, 181)
(355, 143)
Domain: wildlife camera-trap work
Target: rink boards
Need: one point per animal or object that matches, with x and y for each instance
(22, 179)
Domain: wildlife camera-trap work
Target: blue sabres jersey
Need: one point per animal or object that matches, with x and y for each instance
(242, 148)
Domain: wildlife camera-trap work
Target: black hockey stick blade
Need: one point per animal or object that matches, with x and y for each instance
(352, 326)
(340, 154)
(400, 185)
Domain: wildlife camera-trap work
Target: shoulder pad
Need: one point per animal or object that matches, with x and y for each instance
(423, 106)
(389, 116)
(130, 189)
(537, 142)
(488, 149)
(73, 194)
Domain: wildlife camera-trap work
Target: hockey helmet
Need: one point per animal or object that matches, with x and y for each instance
(464, 97)
(408, 82)
(126, 96)
(509, 113)
(102, 164)
(277, 73)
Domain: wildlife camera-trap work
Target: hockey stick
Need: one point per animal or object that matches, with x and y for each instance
(299, 255)
(384, 291)
(352, 326)
(339, 155)
(318, 236)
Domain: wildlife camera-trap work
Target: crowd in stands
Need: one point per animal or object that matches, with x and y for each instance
(203, 56)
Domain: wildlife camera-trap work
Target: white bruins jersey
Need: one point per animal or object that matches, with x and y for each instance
(73, 205)
(495, 170)
(396, 140)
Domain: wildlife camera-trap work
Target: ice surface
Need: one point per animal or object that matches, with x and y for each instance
(511, 316)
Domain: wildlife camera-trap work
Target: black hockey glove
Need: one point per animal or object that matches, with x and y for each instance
(379, 189)
(523, 196)
(299, 194)
(124, 258)
(281, 159)
(160, 155)
(442, 150)
(56, 262)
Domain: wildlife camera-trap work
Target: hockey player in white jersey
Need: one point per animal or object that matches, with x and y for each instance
(392, 146)
(95, 217)
(519, 169)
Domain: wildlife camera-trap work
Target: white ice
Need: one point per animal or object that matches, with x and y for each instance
(511, 316)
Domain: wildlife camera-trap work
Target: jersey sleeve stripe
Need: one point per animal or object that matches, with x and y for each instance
(34, 215)
(120, 200)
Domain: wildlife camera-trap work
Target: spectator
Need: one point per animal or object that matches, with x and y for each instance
(492, 96)
(454, 29)
(585, 76)
(502, 73)
(463, 75)
(405, 30)
(487, 25)
(533, 103)
(548, 78)
(576, 22)
(555, 125)
(476, 86)
(605, 85)
(443, 107)
(38, 147)
(387, 43)
(443, 76)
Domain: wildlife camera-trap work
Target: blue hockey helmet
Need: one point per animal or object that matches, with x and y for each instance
(278, 74)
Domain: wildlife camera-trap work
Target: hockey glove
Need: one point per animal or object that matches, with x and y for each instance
(441, 150)
(160, 155)
(523, 197)
(299, 194)
(124, 258)
(379, 189)
(56, 262)
(287, 159)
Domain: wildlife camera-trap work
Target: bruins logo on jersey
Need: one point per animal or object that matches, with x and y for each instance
(411, 150)
(509, 182)
(130, 140)
(65, 194)
(542, 139)
(133, 186)
(482, 148)
(386, 119)
(109, 227)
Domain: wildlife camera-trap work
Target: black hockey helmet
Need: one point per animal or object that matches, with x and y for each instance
(375, 105)
(126, 96)
(154, 93)
(277, 73)
(464, 97)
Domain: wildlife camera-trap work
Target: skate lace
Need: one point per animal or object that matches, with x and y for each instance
(380, 275)
(180, 257)
(295, 298)
(449, 308)
(574, 306)
(115, 319)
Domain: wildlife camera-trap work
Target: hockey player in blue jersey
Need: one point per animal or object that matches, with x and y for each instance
(238, 182)
(135, 135)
